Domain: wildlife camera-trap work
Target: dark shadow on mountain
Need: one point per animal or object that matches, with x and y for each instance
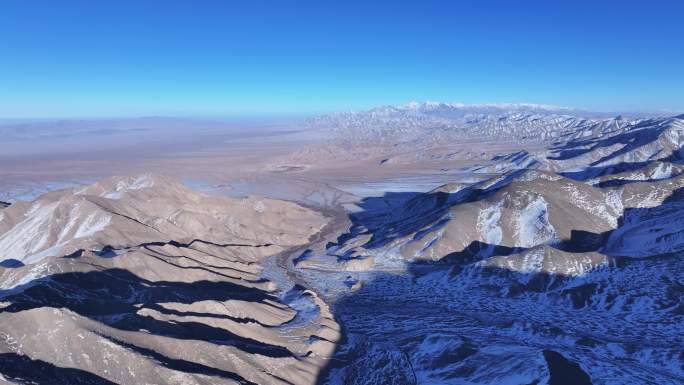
(188, 245)
(512, 157)
(601, 171)
(302, 257)
(115, 296)
(181, 365)
(581, 241)
(675, 201)
(76, 254)
(457, 260)
(376, 211)
(11, 263)
(564, 372)
(618, 183)
(107, 252)
(22, 369)
(598, 171)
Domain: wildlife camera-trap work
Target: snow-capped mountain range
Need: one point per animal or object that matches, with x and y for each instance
(512, 121)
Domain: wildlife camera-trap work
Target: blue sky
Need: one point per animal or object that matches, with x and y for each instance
(228, 58)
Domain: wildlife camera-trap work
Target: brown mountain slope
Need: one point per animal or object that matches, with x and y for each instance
(141, 280)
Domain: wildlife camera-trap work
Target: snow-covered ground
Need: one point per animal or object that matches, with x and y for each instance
(621, 325)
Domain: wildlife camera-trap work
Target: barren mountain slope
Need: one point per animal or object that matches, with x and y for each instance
(141, 280)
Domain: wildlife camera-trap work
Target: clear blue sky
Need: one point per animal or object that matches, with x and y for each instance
(164, 57)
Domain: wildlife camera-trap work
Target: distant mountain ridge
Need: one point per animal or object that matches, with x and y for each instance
(513, 121)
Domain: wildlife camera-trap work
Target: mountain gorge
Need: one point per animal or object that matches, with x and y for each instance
(552, 255)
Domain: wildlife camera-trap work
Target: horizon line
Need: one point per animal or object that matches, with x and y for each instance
(287, 115)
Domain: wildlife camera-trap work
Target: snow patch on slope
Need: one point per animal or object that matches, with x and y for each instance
(30, 235)
(532, 226)
(92, 224)
(489, 227)
(123, 186)
(44, 231)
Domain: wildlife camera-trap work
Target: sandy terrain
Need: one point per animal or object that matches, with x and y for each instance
(273, 159)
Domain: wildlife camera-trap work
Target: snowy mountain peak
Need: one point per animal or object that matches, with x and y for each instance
(433, 105)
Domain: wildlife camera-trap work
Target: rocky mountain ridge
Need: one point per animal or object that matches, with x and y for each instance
(142, 280)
